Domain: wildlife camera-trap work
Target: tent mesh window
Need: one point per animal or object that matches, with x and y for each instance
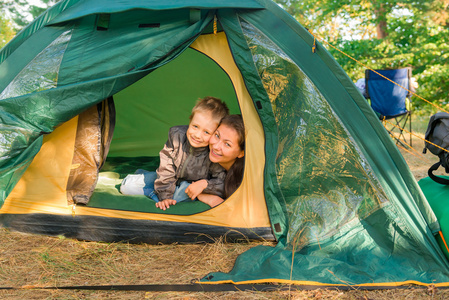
(42, 72)
(325, 179)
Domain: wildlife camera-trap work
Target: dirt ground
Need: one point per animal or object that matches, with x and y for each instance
(39, 261)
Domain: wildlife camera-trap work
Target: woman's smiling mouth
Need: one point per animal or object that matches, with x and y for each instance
(215, 153)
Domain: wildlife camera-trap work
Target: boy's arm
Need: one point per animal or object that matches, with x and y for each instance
(216, 184)
(196, 188)
(165, 184)
(213, 186)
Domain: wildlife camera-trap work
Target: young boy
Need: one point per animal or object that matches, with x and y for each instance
(185, 170)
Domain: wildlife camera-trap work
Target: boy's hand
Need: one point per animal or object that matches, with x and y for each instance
(164, 204)
(196, 188)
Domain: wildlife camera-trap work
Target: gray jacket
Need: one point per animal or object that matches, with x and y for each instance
(179, 161)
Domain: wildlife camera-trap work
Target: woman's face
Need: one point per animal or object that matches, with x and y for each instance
(224, 146)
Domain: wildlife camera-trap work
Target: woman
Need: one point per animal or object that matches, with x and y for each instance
(227, 148)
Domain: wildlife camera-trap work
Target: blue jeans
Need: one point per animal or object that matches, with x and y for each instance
(142, 183)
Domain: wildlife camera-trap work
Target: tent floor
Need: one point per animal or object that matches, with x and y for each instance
(107, 196)
(107, 192)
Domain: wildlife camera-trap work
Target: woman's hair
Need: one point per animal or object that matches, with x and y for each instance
(234, 175)
(215, 106)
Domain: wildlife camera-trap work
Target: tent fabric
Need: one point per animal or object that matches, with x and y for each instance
(84, 8)
(191, 74)
(316, 244)
(239, 210)
(320, 170)
(327, 200)
(437, 195)
(93, 138)
(40, 206)
(92, 85)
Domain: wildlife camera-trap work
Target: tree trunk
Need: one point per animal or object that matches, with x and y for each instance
(381, 19)
(381, 28)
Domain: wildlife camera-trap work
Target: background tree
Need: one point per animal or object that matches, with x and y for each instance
(385, 34)
(379, 33)
(7, 32)
(21, 12)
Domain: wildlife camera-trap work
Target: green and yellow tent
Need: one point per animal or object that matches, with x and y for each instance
(90, 88)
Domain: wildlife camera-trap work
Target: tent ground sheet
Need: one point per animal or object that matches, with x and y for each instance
(107, 192)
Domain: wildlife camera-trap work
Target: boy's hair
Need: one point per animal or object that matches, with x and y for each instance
(215, 106)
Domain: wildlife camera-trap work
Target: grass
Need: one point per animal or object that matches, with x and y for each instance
(32, 260)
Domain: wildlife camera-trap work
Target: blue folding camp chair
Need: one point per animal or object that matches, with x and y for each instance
(391, 101)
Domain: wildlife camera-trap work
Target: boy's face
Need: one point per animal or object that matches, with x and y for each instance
(201, 128)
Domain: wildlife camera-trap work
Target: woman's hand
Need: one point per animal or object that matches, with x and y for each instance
(196, 188)
(211, 200)
(164, 204)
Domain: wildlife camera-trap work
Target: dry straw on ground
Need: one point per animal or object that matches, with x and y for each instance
(30, 260)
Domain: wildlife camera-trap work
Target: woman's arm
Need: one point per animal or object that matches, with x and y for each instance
(210, 200)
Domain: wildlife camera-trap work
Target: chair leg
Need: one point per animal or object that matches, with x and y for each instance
(399, 127)
(410, 127)
(400, 124)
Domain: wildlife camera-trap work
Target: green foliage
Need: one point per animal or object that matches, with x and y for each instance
(6, 31)
(21, 12)
(417, 36)
(16, 14)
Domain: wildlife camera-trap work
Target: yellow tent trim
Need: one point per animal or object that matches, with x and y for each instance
(314, 283)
